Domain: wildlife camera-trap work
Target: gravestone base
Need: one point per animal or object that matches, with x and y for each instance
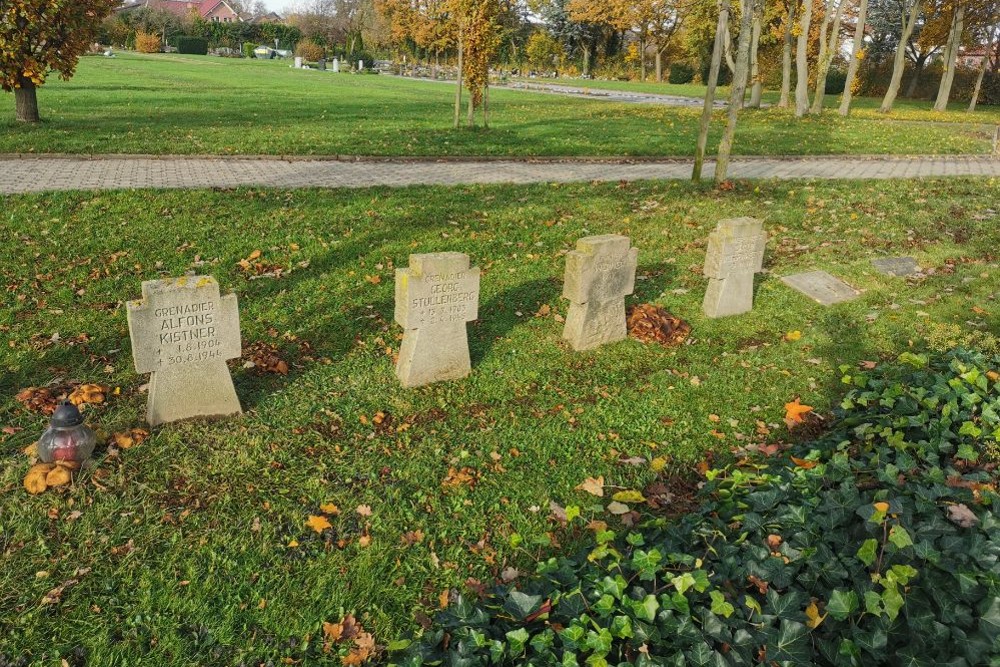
(595, 323)
(729, 296)
(426, 357)
(186, 393)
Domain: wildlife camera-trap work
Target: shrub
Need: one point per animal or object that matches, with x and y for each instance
(193, 45)
(309, 51)
(680, 73)
(147, 42)
(878, 543)
(248, 48)
(836, 79)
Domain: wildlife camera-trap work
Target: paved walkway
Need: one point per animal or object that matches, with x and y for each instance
(40, 174)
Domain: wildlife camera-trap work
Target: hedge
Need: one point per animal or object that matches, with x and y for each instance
(193, 45)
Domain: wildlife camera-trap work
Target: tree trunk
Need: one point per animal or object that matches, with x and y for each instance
(802, 62)
(458, 90)
(786, 58)
(470, 116)
(828, 49)
(642, 59)
(730, 63)
(948, 76)
(26, 102)
(899, 60)
(722, 27)
(736, 92)
(918, 69)
(659, 66)
(486, 106)
(757, 86)
(982, 70)
(852, 67)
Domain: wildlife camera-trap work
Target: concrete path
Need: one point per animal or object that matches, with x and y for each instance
(20, 174)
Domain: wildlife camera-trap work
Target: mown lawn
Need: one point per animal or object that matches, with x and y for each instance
(170, 104)
(192, 548)
(862, 107)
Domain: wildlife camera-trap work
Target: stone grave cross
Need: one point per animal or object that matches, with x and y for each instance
(600, 273)
(183, 332)
(435, 297)
(735, 254)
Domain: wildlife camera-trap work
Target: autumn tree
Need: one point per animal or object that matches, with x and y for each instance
(910, 12)
(829, 40)
(802, 60)
(856, 56)
(38, 37)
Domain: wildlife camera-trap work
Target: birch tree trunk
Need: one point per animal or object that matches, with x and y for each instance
(458, 90)
(736, 92)
(852, 67)
(828, 49)
(991, 45)
(899, 61)
(486, 106)
(721, 29)
(802, 62)
(786, 58)
(951, 56)
(730, 63)
(756, 85)
(659, 66)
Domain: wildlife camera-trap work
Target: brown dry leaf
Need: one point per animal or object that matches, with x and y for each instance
(318, 523)
(88, 393)
(805, 464)
(58, 476)
(544, 310)
(364, 541)
(592, 485)
(374, 280)
(443, 599)
(31, 450)
(761, 585)
(774, 542)
(34, 481)
(962, 516)
(455, 478)
(617, 508)
(651, 324)
(265, 357)
(363, 510)
(38, 399)
(130, 438)
(412, 537)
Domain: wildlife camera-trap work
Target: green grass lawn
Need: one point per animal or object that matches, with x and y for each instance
(861, 107)
(192, 548)
(170, 104)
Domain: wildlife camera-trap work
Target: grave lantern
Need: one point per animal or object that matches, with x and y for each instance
(67, 438)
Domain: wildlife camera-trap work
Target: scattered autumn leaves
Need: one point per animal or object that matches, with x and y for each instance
(350, 639)
(45, 400)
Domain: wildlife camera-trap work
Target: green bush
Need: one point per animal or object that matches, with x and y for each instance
(836, 79)
(194, 45)
(680, 73)
(248, 48)
(309, 51)
(877, 544)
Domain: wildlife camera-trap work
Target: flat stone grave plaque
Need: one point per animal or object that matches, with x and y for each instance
(899, 267)
(182, 332)
(435, 297)
(600, 273)
(821, 287)
(735, 253)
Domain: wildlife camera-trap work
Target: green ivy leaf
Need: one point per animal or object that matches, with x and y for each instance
(842, 604)
(572, 636)
(899, 537)
(517, 640)
(621, 627)
(789, 643)
(720, 606)
(867, 552)
(600, 641)
(521, 605)
(646, 610)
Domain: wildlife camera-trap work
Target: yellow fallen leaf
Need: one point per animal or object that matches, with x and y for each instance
(658, 464)
(318, 523)
(630, 496)
(813, 615)
(293, 544)
(793, 335)
(364, 541)
(329, 508)
(805, 464)
(592, 485)
(881, 507)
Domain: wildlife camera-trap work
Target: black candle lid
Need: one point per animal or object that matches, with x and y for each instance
(66, 414)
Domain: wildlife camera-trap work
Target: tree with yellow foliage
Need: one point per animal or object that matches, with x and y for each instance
(38, 37)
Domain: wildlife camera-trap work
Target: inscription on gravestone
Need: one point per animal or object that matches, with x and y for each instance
(435, 298)
(182, 332)
(735, 254)
(600, 273)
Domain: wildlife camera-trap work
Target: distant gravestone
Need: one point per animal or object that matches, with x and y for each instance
(183, 332)
(336, 64)
(821, 287)
(298, 62)
(899, 267)
(361, 65)
(435, 297)
(735, 254)
(600, 273)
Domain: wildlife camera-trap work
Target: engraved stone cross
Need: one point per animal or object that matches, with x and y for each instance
(735, 254)
(600, 273)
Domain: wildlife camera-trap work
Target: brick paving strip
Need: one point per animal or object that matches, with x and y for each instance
(21, 174)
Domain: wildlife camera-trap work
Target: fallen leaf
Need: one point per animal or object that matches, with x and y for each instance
(618, 508)
(329, 508)
(364, 510)
(793, 335)
(318, 523)
(962, 516)
(881, 507)
(58, 476)
(813, 615)
(805, 464)
(794, 412)
(34, 481)
(629, 497)
(651, 324)
(592, 485)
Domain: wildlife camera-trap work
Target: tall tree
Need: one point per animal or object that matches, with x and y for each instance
(950, 56)
(756, 81)
(38, 37)
(802, 61)
(736, 92)
(909, 21)
(991, 48)
(721, 30)
(786, 54)
(856, 51)
(829, 41)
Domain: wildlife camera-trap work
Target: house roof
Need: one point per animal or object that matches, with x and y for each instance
(181, 8)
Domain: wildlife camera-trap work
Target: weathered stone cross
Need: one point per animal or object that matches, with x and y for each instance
(600, 273)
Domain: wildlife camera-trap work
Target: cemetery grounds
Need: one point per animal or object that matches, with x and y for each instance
(339, 492)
